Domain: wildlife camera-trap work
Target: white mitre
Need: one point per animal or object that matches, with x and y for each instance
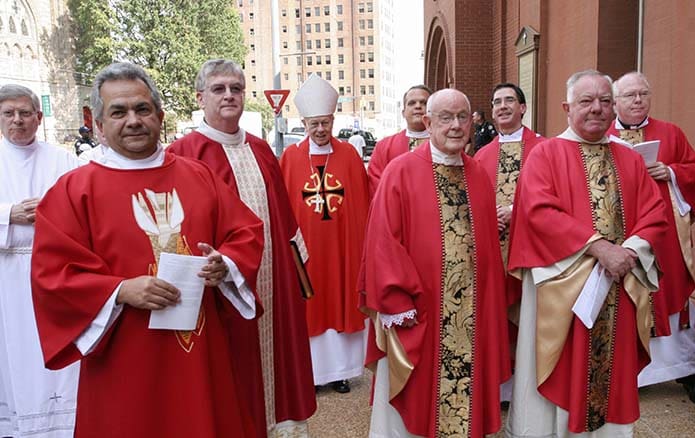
(316, 97)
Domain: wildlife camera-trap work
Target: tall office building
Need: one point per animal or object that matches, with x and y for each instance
(349, 43)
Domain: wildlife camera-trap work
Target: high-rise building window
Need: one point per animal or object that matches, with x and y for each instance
(299, 60)
(298, 45)
(363, 90)
(340, 108)
(251, 15)
(327, 43)
(317, 27)
(327, 27)
(348, 89)
(309, 60)
(341, 59)
(296, 13)
(371, 73)
(361, 41)
(287, 76)
(252, 32)
(284, 45)
(371, 90)
(298, 29)
(284, 12)
(284, 29)
(370, 56)
(308, 28)
(362, 57)
(328, 59)
(339, 9)
(253, 78)
(361, 22)
(307, 12)
(370, 24)
(252, 47)
(308, 44)
(286, 60)
(341, 91)
(326, 10)
(328, 75)
(340, 25)
(370, 7)
(360, 8)
(362, 74)
(318, 44)
(341, 74)
(340, 42)
(370, 40)
(371, 105)
(318, 59)
(317, 11)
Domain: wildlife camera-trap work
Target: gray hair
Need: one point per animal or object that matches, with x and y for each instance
(572, 81)
(121, 71)
(435, 95)
(640, 75)
(214, 67)
(14, 91)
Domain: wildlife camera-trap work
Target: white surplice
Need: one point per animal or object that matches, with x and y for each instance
(34, 401)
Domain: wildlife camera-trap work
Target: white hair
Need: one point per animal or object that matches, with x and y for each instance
(572, 81)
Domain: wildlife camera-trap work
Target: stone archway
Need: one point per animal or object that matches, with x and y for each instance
(437, 72)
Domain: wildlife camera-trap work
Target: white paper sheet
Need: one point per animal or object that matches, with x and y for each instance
(182, 272)
(592, 296)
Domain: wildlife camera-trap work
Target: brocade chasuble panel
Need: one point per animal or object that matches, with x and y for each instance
(607, 215)
(457, 318)
(508, 168)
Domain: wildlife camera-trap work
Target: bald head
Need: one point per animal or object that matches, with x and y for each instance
(448, 120)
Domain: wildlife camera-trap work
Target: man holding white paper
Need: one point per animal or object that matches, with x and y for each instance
(100, 232)
(582, 200)
(674, 173)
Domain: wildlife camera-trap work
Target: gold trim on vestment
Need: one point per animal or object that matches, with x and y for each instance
(683, 227)
(640, 296)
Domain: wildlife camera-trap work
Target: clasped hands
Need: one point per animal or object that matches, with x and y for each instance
(616, 260)
(148, 292)
(24, 213)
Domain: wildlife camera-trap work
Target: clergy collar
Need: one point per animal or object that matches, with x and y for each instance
(569, 134)
(515, 136)
(20, 151)
(417, 134)
(440, 157)
(315, 149)
(236, 139)
(115, 160)
(621, 125)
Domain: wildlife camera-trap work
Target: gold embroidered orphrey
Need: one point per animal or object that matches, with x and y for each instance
(324, 192)
(457, 317)
(160, 216)
(508, 171)
(606, 206)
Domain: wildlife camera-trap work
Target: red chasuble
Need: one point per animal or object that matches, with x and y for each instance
(404, 251)
(295, 397)
(385, 151)
(140, 382)
(677, 284)
(553, 220)
(488, 157)
(329, 197)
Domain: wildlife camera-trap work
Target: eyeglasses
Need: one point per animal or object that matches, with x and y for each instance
(448, 118)
(23, 114)
(633, 95)
(507, 99)
(220, 89)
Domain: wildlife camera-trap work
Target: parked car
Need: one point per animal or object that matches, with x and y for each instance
(369, 140)
(288, 139)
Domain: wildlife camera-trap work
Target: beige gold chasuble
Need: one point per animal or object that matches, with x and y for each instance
(457, 317)
(607, 215)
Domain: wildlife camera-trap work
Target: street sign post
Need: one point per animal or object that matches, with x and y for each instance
(276, 98)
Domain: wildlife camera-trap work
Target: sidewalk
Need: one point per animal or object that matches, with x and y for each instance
(666, 412)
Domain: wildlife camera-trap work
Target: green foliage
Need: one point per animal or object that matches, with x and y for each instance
(169, 38)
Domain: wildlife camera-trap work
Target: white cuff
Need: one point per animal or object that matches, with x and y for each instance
(683, 206)
(235, 289)
(5, 210)
(390, 320)
(89, 338)
(645, 271)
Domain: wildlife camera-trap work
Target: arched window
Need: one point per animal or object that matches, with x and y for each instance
(13, 28)
(29, 53)
(2, 25)
(25, 31)
(17, 51)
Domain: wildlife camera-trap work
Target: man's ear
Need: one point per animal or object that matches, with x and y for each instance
(566, 107)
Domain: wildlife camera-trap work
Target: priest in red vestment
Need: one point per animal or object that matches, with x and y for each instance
(435, 287)
(503, 159)
(586, 210)
(99, 235)
(328, 192)
(674, 172)
(415, 133)
(247, 164)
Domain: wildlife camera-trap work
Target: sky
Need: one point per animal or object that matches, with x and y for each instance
(410, 43)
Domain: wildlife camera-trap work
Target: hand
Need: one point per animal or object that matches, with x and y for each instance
(24, 213)
(409, 322)
(215, 271)
(659, 171)
(618, 261)
(504, 215)
(147, 292)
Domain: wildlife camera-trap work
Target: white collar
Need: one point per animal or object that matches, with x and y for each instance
(21, 152)
(115, 160)
(417, 134)
(515, 136)
(236, 139)
(315, 149)
(440, 157)
(569, 134)
(619, 125)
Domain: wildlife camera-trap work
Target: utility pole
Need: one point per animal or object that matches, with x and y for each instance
(275, 26)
